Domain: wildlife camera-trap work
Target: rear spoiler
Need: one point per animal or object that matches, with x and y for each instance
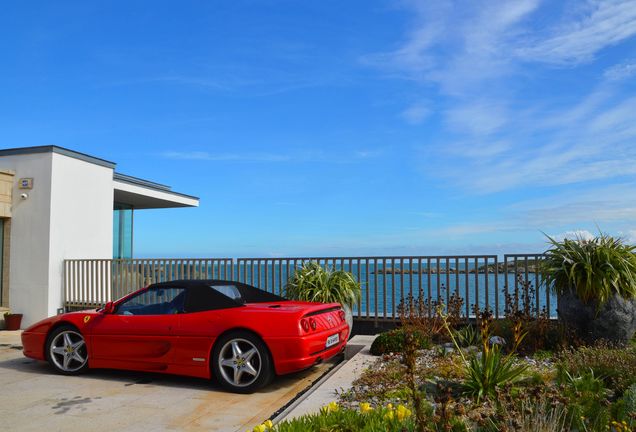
(322, 311)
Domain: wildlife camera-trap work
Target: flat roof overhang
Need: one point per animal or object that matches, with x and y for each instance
(143, 194)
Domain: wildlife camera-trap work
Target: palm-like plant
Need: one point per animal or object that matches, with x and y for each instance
(486, 372)
(489, 371)
(593, 269)
(312, 282)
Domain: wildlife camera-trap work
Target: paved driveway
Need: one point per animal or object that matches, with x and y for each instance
(32, 398)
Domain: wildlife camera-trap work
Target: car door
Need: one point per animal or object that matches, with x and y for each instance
(140, 333)
(205, 316)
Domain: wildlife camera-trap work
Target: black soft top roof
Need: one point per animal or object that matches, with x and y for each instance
(201, 297)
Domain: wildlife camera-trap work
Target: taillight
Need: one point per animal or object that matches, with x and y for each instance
(342, 315)
(304, 324)
(312, 323)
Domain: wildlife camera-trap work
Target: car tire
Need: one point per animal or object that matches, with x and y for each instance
(66, 351)
(241, 362)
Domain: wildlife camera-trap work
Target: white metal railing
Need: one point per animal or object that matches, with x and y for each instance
(483, 281)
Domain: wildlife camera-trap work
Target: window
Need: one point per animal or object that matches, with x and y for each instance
(203, 297)
(154, 301)
(122, 231)
(229, 290)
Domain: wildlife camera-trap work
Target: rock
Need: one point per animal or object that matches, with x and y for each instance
(471, 349)
(615, 321)
(496, 340)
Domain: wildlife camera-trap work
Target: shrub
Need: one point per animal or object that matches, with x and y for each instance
(335, 419)
(418, 313)
(312, 282)
(616, 366)
(487, 372)
(540, 335)
(467, 336)
(538, 416)
(393, 341)
(587, 400)
(594, 269)
(624, 410)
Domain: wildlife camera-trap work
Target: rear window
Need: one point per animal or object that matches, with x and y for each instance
(204, 297)
(250, 294)
(229, 290)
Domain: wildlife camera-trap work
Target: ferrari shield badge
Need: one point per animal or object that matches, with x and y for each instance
(87, 318)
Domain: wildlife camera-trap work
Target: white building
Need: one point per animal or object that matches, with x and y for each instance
(58, 204)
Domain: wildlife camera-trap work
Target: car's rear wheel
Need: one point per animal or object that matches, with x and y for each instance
(66, 351)
(241, 362)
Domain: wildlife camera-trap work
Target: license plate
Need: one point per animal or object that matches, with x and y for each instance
(332, 340)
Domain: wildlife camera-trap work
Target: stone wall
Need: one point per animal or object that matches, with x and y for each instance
(6, 188)
(6, 260)
(6, 195)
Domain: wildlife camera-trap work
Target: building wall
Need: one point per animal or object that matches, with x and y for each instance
(68, 214)
(30, 236)
(81, 218)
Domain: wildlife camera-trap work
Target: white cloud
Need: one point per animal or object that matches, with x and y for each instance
(630, 236)
(504, 137)
(574, 235)
(477, 118)
(416, 113)
(473, 38)
(621, 71)
(481, 150)
(603, 206)
(605, 23)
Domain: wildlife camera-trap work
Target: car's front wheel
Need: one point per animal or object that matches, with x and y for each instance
(241, 362)
(66, 351)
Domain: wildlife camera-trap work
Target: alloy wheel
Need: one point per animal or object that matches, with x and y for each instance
(68, 351)
(240, 362)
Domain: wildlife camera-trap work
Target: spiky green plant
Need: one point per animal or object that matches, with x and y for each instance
(593, 269)
(489, 371)
(312, 282)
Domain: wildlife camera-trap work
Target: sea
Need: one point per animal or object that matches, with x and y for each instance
(384, 284)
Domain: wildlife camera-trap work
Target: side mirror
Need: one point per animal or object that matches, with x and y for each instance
(109, 308)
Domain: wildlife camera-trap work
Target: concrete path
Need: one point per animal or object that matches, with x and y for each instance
(32, 398)
(336, 381)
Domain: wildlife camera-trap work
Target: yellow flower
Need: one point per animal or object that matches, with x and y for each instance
(390, 407)
(402, 412)
(268, 424)
(332, 407)
(259, 428)
(365, 407)
(389, 415)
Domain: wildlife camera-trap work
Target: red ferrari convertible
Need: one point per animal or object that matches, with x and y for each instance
(239, 334)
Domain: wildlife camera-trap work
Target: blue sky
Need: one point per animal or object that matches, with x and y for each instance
(337, 128)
